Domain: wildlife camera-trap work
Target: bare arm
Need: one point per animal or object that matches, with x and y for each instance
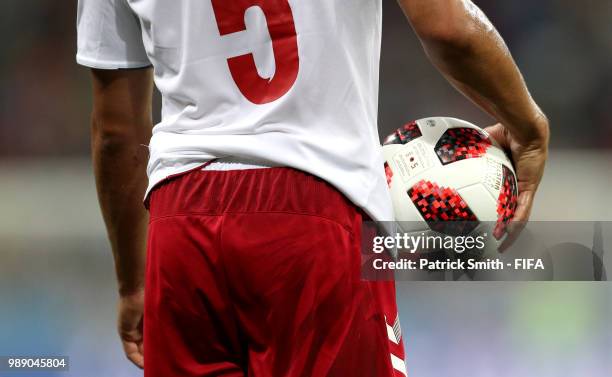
(467, 49)
(121, 127)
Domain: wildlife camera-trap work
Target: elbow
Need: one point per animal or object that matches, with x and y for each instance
(110, 137)
(106, 130)
(452, 36)
(447, 25)
(452, 25)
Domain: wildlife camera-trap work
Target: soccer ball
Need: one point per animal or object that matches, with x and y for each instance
(448, 176)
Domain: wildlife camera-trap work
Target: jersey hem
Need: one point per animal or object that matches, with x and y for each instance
(107, 64)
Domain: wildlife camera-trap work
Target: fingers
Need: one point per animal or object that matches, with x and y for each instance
(518, 223)
(524, 204)
(514, 231)
(132, 341)
(130, 326)
(134, 352)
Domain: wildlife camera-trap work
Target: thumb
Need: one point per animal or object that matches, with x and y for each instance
(500, 134)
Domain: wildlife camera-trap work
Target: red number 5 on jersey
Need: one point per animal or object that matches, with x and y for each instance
(230, 19)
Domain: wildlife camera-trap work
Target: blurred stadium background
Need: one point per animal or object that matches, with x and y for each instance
(57, 291)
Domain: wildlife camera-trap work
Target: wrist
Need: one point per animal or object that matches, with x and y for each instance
(532, 132)
(126, 290)
(539, 134)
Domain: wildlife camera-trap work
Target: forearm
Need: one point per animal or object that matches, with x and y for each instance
(121, 129)
(471, 54)
(120, 170)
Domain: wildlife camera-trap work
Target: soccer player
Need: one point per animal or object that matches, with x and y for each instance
(262, 170)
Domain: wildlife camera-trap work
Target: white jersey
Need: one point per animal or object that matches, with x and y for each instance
(283, 82)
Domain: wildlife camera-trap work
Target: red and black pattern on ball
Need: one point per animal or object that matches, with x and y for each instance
(404, 134)
(461, 143)
(443, 208)
(506, 203)
(388, 174)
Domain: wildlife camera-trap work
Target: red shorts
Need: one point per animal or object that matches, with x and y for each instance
(257, 273)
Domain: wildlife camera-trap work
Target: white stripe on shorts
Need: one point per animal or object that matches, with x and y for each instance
(234, 163)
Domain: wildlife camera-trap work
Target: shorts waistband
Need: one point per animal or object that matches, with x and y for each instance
(276, 189)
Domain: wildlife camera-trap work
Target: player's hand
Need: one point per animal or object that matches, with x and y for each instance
(130, 322)
(529, 156)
